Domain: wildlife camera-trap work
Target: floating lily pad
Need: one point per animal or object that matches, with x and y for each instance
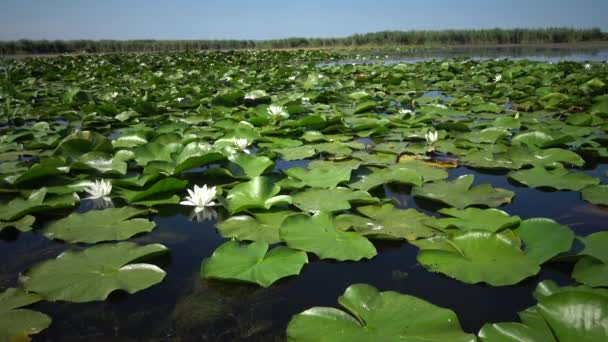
(257, 193)
(253, 263)
(560, 315)
(592, 268)
(477, 256)
(328, 177)
(329, 200)
(23, 224)
(93, 273)
(377, 316)
(35, 203)
(262, 226)
(459, 193)
(17, 324)
(492, 220)
(386, 221)
(99, 225)
(544, 238)
(596, 194)
(318, 234)
(559, 178)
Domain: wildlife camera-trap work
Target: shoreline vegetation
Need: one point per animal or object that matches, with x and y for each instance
(443, 38)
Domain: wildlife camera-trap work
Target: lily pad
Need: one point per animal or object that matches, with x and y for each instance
(492, 220)
(477, 256)
(253, 263)
(262, 226)
(318, 234)
(592, 268)
(459, 193)
(35, 203)
(18, 324)
(99, 225)
(23, 224)
(559, 178)
(596, 194)
(377, 316)
(544, 238)
(93, 273)
(316, 200)
(257, 193)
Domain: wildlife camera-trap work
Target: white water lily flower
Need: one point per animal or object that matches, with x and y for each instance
(200, 198)
(276, 111)
(99, 189)
(305, 100)
(431, 137)
(179, 99)
(242, 144)
(291, 78)
(497, 78)
(114, 95)
(405, 111)
(587, 66)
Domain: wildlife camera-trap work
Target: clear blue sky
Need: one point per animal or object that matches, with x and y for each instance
(265, 19)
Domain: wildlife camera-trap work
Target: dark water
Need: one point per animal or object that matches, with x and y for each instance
(533, 53)
(185, 307)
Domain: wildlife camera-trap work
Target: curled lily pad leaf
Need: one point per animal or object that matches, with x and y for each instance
(47, 168)
(562, 314)
(161, 192)
(492, 220)
(558, 178)
(23, 224)
(249, 165)
(544, 238)
(477, 256)
(316, 200)
(93, 273)
(263, 226)
(318, 234)
(253, 263)
(35, 203)
(377, 316)
(596, 194)
(459, 193)
(99, 225)
(592, 268)
(257, 193)
(17, 324)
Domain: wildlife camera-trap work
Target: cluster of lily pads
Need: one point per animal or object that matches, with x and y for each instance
(292, 160)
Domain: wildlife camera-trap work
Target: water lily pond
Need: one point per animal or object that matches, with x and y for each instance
(270, 196)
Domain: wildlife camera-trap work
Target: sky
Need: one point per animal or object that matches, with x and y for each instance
(269, 19)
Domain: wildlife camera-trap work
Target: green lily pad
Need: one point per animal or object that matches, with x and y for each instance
(161, 192)
(93, 273)
(263, 226)
(258, 193)
(387, 222)
(592, 268)
(596, 194)
(544, 238)
(18, 324)
(253, 263)
(328, 177)
(492, 220)
(35, 203)
(23, 224)
(560, 178)
(477, 256)
(248, 165)
(99, 225)
(377, 316)
(316, 200)
(560, 315)
(459, 193)
(318, 234)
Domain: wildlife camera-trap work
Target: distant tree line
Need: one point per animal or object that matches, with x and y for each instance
(384, 38)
